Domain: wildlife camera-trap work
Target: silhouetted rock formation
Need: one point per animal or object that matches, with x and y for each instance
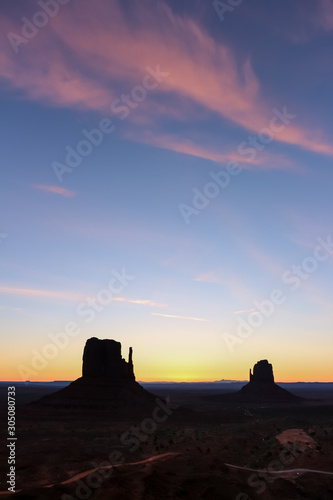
(102, 358)
(262, 387)
(107, 382)
(262, 372)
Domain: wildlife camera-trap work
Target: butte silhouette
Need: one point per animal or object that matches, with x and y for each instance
(107, 382)
(262, 387)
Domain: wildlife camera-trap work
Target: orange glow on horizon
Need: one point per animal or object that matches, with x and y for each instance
(170, 379)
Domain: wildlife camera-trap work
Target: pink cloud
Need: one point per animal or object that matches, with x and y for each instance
(185, 146)
(44, 294)
(264, 259)
(307, 21)
(234, 284)
(324, 18)
(191, 147)
(307, 139)
(244, 311)
(141, 302)
(210, 277)
(56, 189)
(112, 53)
(44, 73)
(178, 317)
(68, 296)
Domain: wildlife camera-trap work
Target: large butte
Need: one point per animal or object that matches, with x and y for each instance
(107, 382)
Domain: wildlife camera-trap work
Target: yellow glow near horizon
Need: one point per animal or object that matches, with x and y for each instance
(174, 375)
(180, 360)
(177, 373)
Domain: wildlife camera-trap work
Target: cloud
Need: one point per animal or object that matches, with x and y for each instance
(245, 311)
(209, 277)
(233, 283)
(69, 296)
(150, 303)
(264, 259)
(8, 308)
(178, 317)
(307, 21)
(324, 17)
(191, 147)
(45, 294)
(56, 189)
(67, 66)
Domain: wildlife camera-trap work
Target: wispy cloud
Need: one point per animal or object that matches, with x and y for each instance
(324, 17)
(69, 296)
(191, 147)
(235, 284)
(209, 277)
(56, 190)
(178, 317)
(307, 21)
(46, 294)
(8, 308)
(141, 302)
(179, 46)
(245, 311)
(263, 258)
(200, 147)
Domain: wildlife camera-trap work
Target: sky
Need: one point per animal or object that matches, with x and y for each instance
(166, 182)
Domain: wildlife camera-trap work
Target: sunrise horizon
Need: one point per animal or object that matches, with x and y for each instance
(166, 249)
(168, 186)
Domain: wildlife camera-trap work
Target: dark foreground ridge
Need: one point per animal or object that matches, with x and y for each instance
(107, 382)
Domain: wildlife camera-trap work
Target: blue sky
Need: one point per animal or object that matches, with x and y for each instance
(196, 92)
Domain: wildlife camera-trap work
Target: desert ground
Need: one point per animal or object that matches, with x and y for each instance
(204, 449)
